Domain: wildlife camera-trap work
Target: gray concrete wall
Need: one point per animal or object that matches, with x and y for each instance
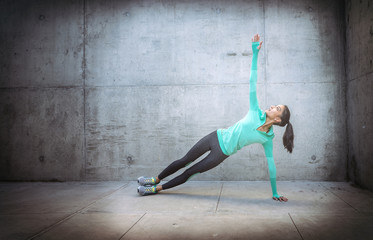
(41, 90)
(359, 67)
(110, 90)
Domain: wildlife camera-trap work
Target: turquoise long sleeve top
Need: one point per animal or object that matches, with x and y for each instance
(245, 132)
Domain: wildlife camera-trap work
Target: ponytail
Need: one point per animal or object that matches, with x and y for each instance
(288, 138)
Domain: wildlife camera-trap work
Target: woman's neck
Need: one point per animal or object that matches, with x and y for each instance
(266, 126)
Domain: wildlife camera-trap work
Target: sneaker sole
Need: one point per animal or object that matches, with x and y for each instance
(138, 191)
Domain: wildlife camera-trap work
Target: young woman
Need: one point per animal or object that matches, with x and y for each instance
(255, 127)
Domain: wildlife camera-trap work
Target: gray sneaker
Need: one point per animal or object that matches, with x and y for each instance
(143, 191)
(143, 181)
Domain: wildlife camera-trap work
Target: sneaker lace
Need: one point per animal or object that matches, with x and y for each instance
(149, 189)
(149, 180)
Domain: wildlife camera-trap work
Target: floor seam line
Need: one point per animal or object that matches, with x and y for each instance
(340, 198)
(217, 204)
(52, 226)
(73, 214)
(132, 226)
(344, 201)
(106, 195)
(101, 198)
(296, 226)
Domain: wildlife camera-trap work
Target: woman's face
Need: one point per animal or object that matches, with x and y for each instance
(275, 112)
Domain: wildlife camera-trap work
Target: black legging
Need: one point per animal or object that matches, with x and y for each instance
(213, 159)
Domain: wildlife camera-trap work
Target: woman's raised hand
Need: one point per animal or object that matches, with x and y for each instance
(257, 39)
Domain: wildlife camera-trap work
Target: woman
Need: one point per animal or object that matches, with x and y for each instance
(255, 127)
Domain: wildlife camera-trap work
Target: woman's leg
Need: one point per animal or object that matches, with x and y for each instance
(201, 147)
(213, 159)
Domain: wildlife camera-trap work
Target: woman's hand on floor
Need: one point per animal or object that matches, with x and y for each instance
(281, 199)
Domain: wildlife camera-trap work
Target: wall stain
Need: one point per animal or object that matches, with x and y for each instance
(130, 161)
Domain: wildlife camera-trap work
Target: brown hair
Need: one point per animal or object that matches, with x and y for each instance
(288, 137)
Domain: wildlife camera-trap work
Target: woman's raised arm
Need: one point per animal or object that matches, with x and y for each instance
(254, 72)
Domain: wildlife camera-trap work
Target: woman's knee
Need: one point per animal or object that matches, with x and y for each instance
(189, 173)
(184, 163)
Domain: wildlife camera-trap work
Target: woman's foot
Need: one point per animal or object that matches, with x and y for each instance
(143, 181)
(143, 191)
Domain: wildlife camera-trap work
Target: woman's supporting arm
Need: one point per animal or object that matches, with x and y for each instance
(268, 149)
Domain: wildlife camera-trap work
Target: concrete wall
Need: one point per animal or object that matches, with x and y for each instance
(41, 90)
(359, 67)
(110, 90)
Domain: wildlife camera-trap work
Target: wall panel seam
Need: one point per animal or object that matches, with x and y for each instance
(84, 91)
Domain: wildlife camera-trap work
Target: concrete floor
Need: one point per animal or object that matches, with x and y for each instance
(195, 210)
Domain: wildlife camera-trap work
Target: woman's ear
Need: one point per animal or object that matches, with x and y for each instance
(277, 119)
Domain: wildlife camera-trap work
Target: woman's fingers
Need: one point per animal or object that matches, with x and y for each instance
(260, 45)
(284, 199)
(256, 38)
(281, 199)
